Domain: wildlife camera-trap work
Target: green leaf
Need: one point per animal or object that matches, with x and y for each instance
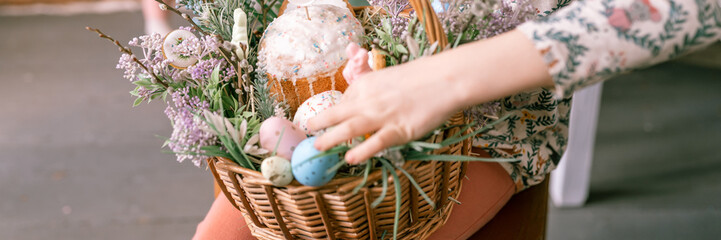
(383, 192)
(275, 149)
(401, 49)
(387, 27)
(418, 144)
(335, 167)
(135, 93)
(137, 101)
(369, 164)
(143, 83)
(397, 185)
(215, 76)
(215, 151)
(155, 96)
(384, 36)
(416, 156)
(247, 160)
(335, 150)
(487, 127)
(418, 187)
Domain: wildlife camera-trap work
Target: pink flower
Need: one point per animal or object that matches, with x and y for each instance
(357, 63)
(619, 19)
(655, 15)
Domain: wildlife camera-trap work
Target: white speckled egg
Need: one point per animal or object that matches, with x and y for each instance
(313, 106)
(172, 52)
(312, 172)
(277, 170)
(270, 131)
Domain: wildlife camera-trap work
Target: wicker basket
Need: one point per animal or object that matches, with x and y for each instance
(333, 211)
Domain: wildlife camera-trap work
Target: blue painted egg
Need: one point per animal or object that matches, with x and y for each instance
(312, 172)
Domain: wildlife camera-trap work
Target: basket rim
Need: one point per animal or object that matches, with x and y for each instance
(342, 185)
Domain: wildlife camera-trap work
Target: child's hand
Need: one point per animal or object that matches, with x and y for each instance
(397, 105)
(402, 103)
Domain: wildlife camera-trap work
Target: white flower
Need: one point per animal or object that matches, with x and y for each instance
(413, 46)
(395, 156)
(252, 148)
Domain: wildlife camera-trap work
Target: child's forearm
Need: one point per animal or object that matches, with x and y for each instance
(490, 69)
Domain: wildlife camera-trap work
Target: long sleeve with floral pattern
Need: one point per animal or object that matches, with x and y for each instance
(585, 42)
(593, 40)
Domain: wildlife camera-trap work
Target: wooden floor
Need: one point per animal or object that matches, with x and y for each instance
(656, 168)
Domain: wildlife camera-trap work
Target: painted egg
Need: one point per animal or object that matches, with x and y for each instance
(313, 106)
(277, 170)
(179, 57)
(312, 172)
(270, 136)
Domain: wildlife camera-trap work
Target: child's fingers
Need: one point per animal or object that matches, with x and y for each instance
(348, 129)
(330, 117)
(386, 137)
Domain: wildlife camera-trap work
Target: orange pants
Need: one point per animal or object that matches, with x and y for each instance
(484, 193)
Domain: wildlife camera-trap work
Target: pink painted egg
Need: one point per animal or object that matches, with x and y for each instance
(270, 136)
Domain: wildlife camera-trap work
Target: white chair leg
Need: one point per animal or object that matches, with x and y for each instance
(569, 182)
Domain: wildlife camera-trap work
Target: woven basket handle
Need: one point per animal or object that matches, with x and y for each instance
(433, 26)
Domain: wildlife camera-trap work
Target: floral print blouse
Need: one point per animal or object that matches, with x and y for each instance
(583, 43)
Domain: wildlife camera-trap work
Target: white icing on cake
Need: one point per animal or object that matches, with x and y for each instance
(295, 47)
(337, 3)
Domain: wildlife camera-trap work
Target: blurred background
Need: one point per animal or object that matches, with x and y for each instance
(78, 162)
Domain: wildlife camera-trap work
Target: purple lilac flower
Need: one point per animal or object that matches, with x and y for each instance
(198, 47)
(188, 135)
(204, 68)
(131, 68)
(152, 46)
(504, 18)
(455, 14)
(144, 92)
(394, 8)
(204, 48)
(400, 25)
(153, 58)
(491, 17)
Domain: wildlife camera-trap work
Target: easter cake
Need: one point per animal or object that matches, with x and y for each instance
(303, 52)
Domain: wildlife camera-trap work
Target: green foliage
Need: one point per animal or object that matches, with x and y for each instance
(156, 90)
(266, 102)
(233, 137)
(217, 17)
(414, 44)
